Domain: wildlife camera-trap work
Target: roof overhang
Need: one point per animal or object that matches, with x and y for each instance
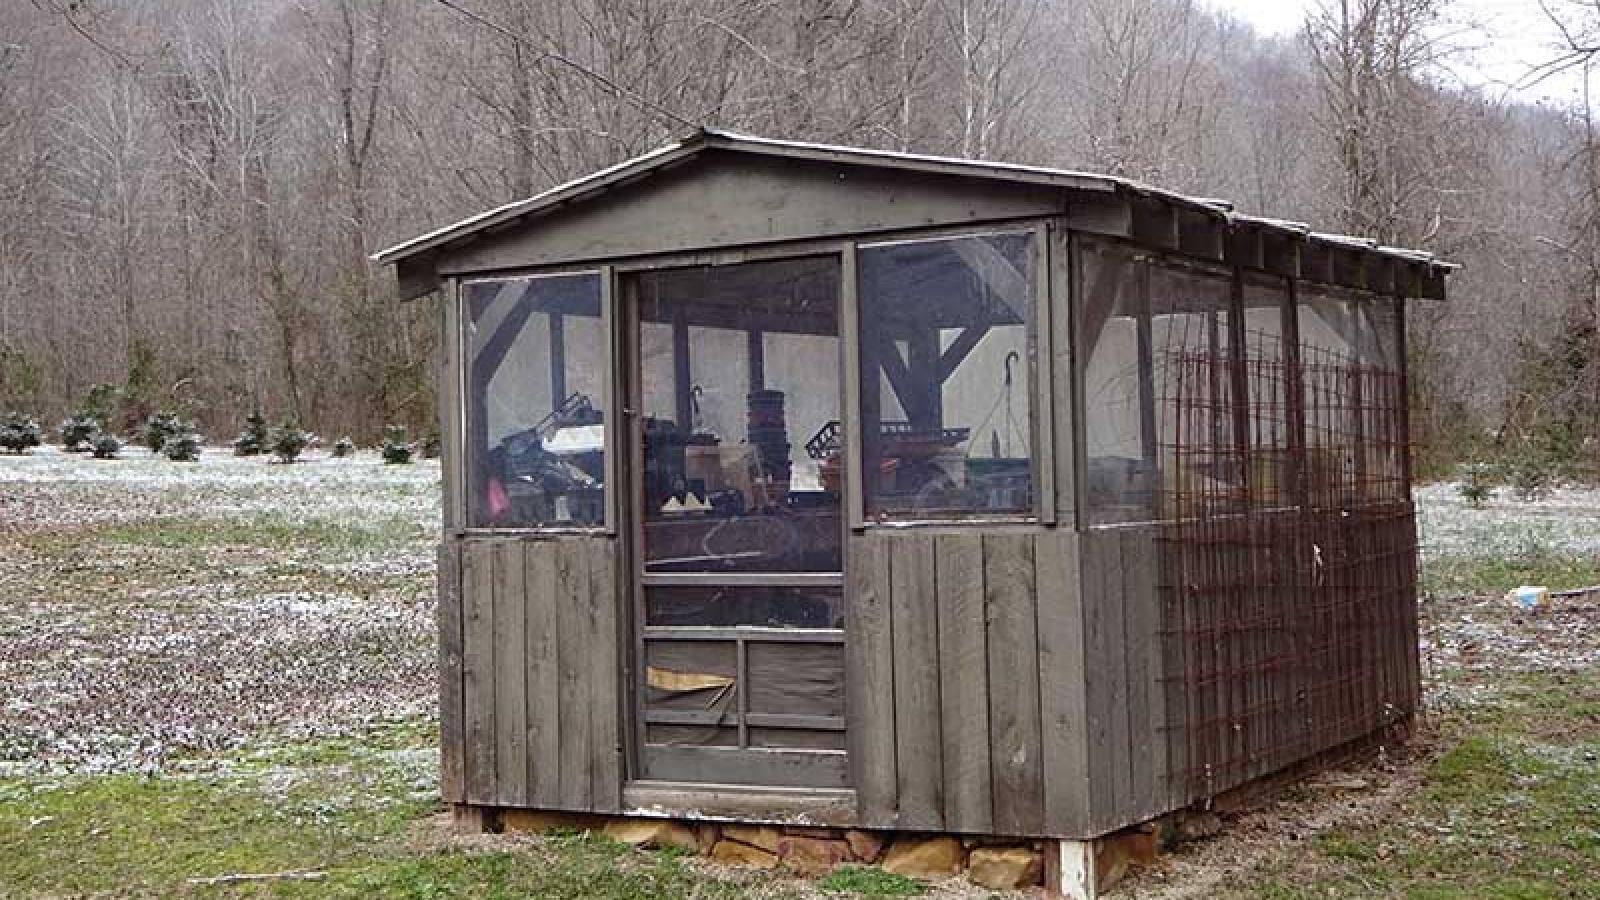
(414, 258)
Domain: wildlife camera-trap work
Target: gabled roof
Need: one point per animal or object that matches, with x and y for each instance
(712, 138)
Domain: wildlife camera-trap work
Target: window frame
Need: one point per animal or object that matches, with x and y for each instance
(1045, 234)
(461, 467)
(1148, 258)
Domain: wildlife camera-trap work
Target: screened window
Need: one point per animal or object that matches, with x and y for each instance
(740, 374)
(947, 412)
(1354, 403)
(1119, 406)
(1272, 464)
(1192, 362)
(535, 402)
(1157, 369)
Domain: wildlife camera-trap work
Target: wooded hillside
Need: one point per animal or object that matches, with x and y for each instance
(190, 189)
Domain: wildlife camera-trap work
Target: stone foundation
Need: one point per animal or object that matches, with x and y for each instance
(994, 863)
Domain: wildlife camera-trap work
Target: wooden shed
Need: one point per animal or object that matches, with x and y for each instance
(789, 483)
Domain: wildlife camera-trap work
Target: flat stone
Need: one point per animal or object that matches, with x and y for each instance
(539, 821)
(656, 833)
(866, 845)
(1115, 855)
(812, 856)
(924, 857)
(811, 831)
(1197, 826)
(764, 836)
(1005, 868)
(734, 853)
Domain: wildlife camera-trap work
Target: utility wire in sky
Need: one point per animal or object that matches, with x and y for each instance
(582, 69)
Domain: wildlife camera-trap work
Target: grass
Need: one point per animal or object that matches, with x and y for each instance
(349, 809)
(1460, 576)
(1508, 805)
(1509, 810)
(870, 881)
(139, 836)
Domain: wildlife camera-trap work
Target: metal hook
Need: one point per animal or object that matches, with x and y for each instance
(1013, 355)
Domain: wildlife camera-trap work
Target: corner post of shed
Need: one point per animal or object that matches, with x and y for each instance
(1069, 870)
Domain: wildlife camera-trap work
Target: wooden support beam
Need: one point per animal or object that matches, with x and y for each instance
(756, 351)
(558, 360)
(1349, 267)
(1280, 253)
(925, 379)
(682, 379)
(1243, 247)
(1431, 285)
(1099, 302)
(887, 353)
(1316, 262)
(416, 276)
(959, 348)
(1147, 398)
(1069, 870)
(1107, 214)
(1155, 224)
(1004, 282)
(1381, 275)
(1202, 235)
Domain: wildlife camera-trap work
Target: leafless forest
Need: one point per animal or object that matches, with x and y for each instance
(189, 189)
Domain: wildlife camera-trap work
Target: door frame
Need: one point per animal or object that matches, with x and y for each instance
(631, 514)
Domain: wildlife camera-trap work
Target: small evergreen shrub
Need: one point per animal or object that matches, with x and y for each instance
(160, 428)
(101, 403)
(78, 431)
(288, 442)
(397, 446)
(344, 447)
(255, 438)
(1477, 485)
(105, 446)
(19, 434)
(183, 445)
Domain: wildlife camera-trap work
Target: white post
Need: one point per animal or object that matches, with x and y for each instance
(1070, 870)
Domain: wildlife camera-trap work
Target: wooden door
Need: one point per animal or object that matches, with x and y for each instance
(737, 527)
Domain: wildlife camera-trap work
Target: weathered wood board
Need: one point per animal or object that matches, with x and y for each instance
(539, 720)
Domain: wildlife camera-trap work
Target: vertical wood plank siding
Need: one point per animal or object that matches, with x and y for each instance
(1134, 675)
(963, 648)
(869, 682)
(510, 680)
(477, 664)
(1022, 681)
(963, 680)
(452, 781)
(919, 750)
(534, 626)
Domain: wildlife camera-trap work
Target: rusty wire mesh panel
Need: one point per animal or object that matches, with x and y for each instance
(1289, 544)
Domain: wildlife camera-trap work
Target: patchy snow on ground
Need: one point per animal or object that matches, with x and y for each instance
(152, 610)
(52, 489)
(1566, 521)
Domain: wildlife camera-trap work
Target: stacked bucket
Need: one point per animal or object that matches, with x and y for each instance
(769, 436)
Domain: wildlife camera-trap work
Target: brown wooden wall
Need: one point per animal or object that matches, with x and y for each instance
(1135, 680)
(530, 673)
(966, 681)
(1214, 662)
